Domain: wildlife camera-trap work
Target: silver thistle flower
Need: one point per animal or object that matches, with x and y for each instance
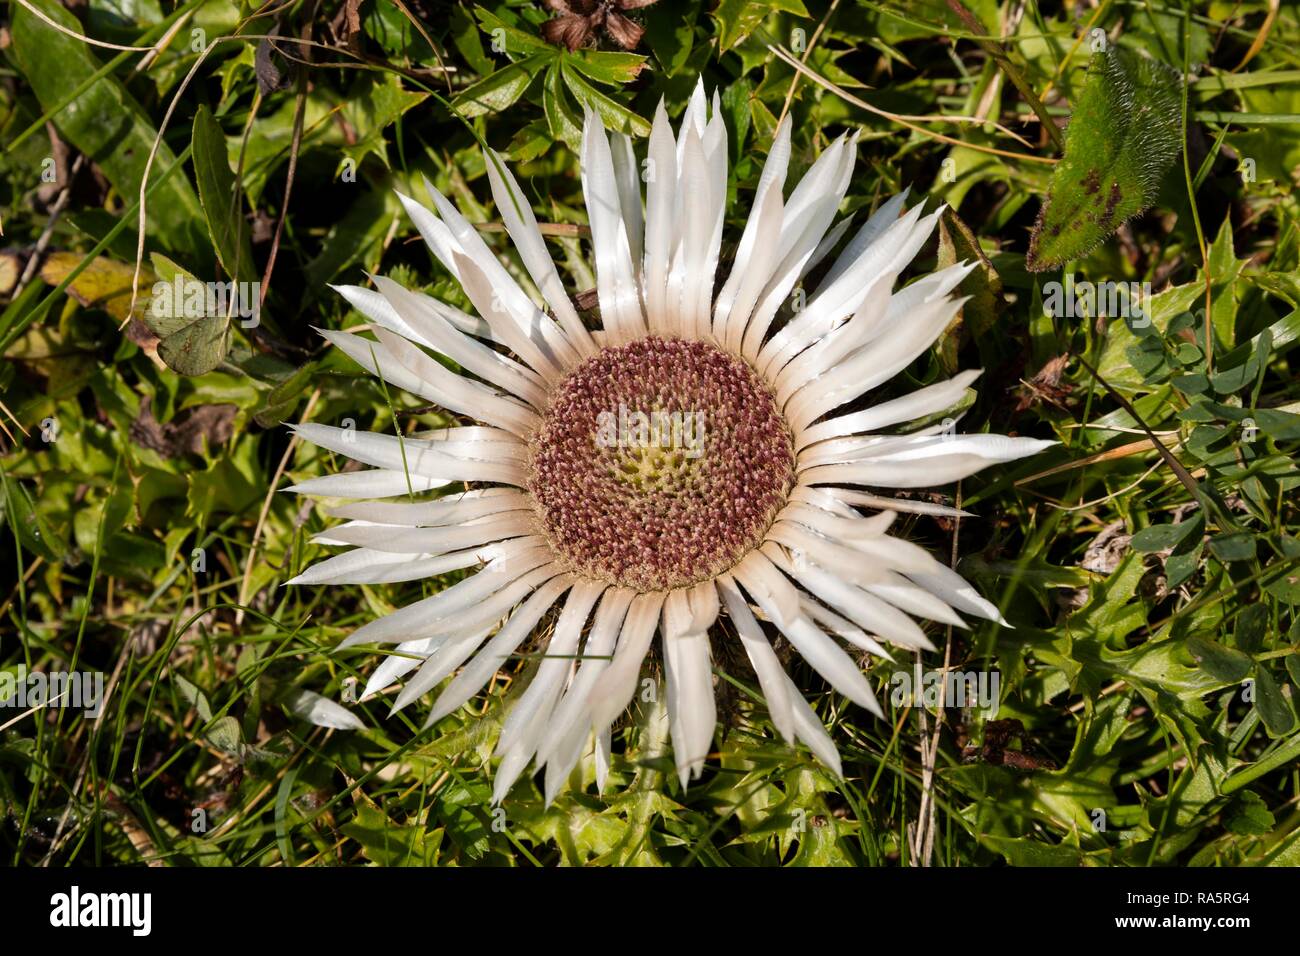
(762, 516)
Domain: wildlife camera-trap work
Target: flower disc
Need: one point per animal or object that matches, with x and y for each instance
(660, 464)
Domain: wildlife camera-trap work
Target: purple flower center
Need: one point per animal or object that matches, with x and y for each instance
(660, 464)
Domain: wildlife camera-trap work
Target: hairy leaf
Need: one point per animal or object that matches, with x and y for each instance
(1123, 136)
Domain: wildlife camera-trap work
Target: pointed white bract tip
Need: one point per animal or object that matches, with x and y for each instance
(501, 788)
(434, 193)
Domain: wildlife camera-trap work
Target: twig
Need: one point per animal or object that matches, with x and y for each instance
(999, 54)
(794, 80)
(300, 110)
(43, 242)
(901, 120)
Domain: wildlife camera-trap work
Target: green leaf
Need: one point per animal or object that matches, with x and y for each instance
(511, 39)
(104, 122)
(221, 203)
(613, 69)
(356, 237)
(1160, 537)
(386, 844)
(33, 533)
(1239, 546)
(616, 116)
(670, 32)
(1225, 268)
(1247, 814)
(1123, 137)
(957, 243)
(1293, 668)
(465, 35)
(1221, 663)
(371, 106)
(283, 399)
(564, 124)
(1282, 581)
(499, 90)
(104, 284)
(1252, 624)
(231, 484)
(737, 19)
(1273, 706)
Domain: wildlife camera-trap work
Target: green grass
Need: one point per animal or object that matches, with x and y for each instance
(144, 535)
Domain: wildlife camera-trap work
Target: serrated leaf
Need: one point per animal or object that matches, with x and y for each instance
(370, 107)
(616, 116)
(737, 19)
(387, 844)
(1122, 138)
(1248, 814)
(612, 69)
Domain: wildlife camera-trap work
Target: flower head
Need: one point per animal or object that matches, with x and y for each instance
(688, 459)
